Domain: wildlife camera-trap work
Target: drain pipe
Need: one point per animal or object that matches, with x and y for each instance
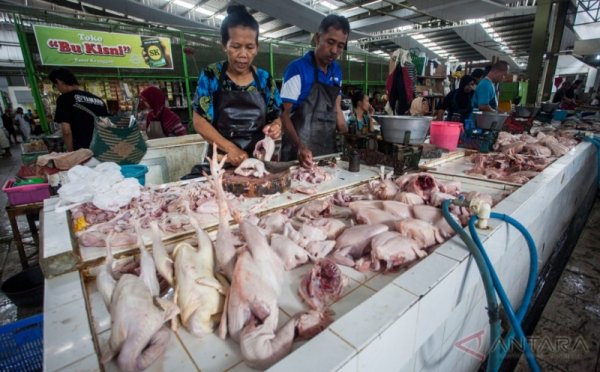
(493, 310)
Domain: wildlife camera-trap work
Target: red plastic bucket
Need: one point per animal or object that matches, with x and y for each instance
(445, 134)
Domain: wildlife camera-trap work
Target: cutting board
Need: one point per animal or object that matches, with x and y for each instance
(252, 187)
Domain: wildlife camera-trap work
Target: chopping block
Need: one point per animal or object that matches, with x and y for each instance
(253, 187)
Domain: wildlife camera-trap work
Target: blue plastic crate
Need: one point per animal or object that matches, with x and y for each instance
(21, 345)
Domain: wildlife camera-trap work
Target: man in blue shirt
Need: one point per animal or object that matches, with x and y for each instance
(311, 95)
(485, 98)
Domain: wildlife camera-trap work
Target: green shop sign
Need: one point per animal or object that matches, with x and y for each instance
(85, 48)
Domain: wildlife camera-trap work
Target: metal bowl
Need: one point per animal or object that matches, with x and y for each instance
(549, 107)
(393, 128)
(526, 111)
(490, 120)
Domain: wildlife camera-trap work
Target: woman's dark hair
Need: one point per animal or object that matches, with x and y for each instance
(478, 73)
(358, 96)
(336, 21)
(237, 16)
(64, 75)
(577, 83)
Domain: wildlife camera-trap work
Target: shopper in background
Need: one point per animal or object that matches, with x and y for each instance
(311, 95)
(160, 121)
(360, 119)
(458, 101)
(377, 103)
(77, 125)
(477, 75)
(485, 98)
(7, 121)
(237, 104)
(22, 124)
(565, 95)
(5, 145)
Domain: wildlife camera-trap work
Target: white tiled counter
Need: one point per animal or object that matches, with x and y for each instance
(407, 321)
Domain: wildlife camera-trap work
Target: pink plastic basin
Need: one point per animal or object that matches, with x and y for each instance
(27, 193)
(445, 134)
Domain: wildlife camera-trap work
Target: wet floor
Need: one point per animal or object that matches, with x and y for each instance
(567, 336)
(9, 257)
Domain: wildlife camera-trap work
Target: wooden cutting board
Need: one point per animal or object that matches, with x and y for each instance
(256, 187)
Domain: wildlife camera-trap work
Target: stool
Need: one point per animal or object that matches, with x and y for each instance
(30, 211)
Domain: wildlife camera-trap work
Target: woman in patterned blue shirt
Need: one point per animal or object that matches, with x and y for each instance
(361, 113)
(237, 104)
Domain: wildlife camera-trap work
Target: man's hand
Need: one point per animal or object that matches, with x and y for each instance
(273, 130)
(236, 156)
(305, 157)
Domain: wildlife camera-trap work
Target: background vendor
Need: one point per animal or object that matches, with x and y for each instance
(361, 113)
(237, 104)
(486, 98)
(458, 101)
(160, 121)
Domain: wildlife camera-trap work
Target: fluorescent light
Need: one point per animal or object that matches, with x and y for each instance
(204, 11)
(378, 52)
(372, 3)
(418, 36)
(183, 4)
(598, 57)
(220, 17)
(329, 5)
(474, 21)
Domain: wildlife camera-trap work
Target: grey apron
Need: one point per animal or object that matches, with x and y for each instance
(240, 115)
(314, 121)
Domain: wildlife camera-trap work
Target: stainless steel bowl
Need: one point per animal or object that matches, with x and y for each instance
(393, 128)
(526, 111)
(490, 120)
(549, 107)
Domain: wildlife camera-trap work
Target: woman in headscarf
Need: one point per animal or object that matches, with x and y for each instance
(161, 121)
(458, 101)
(237, 104)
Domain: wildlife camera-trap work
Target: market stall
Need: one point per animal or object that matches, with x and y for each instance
(408, 318)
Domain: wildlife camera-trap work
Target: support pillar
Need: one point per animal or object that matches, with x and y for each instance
(559, 26)
(538, 48)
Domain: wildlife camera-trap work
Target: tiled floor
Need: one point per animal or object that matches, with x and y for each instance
(9, 258)
(568, 332)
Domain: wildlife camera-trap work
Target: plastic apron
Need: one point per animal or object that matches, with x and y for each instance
(240, 115)
(314, 121)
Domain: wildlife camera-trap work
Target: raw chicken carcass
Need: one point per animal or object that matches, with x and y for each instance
(137, 331)
(537, 150)
(384, 188)
(251, 167)
(422, 184)
(513, 148)
(332, 227)
(164, 263)
(395, 250)
(409, 198)
(264, 149)
(225, 243)
(435, 217)
(273, 223)
(252, 312)
(323, 285)
(319, 249)
(199, 295)
(438, 198)
(420, 231)
(355, 242)
(290, 253)
(451, 187)
(372, 216)
(398, 209)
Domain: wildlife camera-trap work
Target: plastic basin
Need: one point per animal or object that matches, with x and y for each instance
(26, 288)
(135, 171)
(445, 134)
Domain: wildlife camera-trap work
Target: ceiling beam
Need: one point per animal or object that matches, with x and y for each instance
(150, 14)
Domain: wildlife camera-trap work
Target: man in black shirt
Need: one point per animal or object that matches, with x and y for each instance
(7, 121)
(77, 125)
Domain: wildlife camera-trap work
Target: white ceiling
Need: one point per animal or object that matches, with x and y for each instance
(372, 21)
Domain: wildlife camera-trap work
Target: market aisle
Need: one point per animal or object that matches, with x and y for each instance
(9, 258)
(568, 332)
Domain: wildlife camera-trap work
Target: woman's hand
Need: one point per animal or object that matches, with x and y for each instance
(236, 156)
(305, 157)
(273, 130)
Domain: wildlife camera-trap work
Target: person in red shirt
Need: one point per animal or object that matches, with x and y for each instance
(154, 99)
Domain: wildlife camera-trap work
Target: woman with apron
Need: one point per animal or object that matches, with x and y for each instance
(311, 94)
(458, 102)
(237, 104)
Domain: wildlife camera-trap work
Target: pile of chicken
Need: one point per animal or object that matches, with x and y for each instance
(520, 157)
(234, 284)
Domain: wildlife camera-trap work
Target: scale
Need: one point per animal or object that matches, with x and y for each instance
(374, 151)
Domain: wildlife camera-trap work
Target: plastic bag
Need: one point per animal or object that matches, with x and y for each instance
(118, 195)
